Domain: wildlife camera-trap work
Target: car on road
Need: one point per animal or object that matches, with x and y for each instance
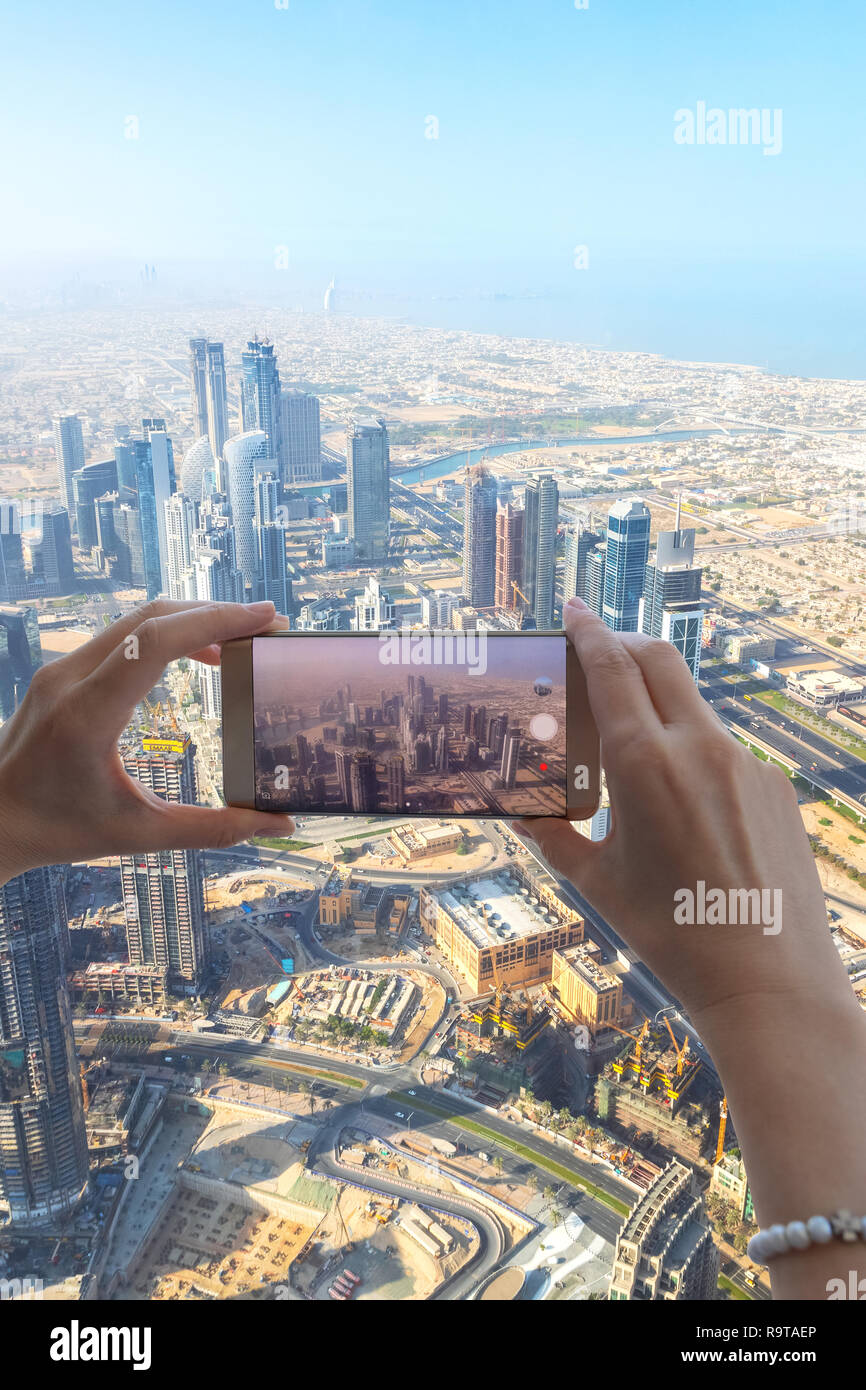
(398, 1115)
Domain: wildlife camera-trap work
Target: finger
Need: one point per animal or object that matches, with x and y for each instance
(211, 656)
(200, 827)
(618, 697)
(130, 670)
(565, 849)
(87, 658)
(668, 679)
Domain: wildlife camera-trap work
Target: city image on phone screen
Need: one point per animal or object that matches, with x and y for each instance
(468, 724)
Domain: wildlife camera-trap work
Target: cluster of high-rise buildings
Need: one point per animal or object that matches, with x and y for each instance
(612, 570)
(43, 1145)
(509, 552)
(510, 557)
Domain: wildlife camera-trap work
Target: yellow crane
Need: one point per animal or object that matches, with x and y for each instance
(516, 589)
(723, 1120)
(682, 1052)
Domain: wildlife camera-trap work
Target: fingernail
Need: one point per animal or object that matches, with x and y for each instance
(264, 607)
(577, 603)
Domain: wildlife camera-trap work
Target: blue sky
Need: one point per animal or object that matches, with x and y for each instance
(305, 127)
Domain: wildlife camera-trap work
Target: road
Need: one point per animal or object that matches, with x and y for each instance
(322, 1158)
(816, 755)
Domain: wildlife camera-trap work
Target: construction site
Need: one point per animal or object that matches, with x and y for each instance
(391, 1011)
(655, 1092)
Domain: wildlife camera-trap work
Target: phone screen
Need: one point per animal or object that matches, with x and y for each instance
(411, 723)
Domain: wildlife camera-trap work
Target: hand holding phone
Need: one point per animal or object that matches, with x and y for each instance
(409, 723)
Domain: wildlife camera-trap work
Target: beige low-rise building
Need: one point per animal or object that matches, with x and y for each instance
(421, 842)
(500, 929)
(586, 991)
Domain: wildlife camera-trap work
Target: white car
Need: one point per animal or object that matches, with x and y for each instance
(398, 1115)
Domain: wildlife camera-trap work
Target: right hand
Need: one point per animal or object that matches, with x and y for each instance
(689, 803)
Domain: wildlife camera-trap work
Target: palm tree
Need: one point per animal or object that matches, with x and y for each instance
(532, 1182)
(497, 1164)
(549, 1193)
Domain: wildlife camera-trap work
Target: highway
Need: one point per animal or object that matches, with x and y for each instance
(818, 758)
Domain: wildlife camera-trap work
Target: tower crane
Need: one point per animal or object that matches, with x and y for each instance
(723, 1120)
(682, 1052)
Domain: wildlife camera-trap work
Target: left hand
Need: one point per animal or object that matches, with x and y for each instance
(64, 794)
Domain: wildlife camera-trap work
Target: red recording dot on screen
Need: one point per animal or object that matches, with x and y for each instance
(542, 767)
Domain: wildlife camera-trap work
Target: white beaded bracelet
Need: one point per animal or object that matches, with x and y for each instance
(799, 1235)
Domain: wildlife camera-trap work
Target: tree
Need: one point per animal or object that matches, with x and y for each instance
(549, 1193)
(497, 1164)
(532, 1182)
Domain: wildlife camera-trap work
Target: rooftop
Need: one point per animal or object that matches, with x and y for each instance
(500, 908)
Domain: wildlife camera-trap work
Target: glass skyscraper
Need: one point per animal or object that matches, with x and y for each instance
(43, 1143)
(246, 455)
(541, 516)
(301, 460)
(628, 533)
(260, 393)
(479, 536)
(162, 891)
(369, 488)
(69, 452)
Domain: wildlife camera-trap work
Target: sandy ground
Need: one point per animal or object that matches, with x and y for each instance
(206, 1248)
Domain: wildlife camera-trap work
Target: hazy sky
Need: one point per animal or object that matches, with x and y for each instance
(305, 127)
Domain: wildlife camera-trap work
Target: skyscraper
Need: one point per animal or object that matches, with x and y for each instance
(145, 477)
(260, 393)
(181, 519)
(369, 488)
(51, 555)
(217, 399)
(69, 453)
(580, 541)
(92, 481)
(628, 533)
(509, 555)
(274, 582)
(510, 756)
(13, 579)
(245, 455)
(670, 607)
(363, 794)
(20, 656)
(198, 379)
(541, 516)
(301, 438)
(665, 1249)
(479, 536)
(43, 1144)
(163, 482)
(209, 396)
(198, 472)
(162, 891)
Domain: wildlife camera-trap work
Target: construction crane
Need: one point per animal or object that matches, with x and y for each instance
(723, 1120)
(516, 589)
(638, 1039)
(153, 711)
(682, 1052)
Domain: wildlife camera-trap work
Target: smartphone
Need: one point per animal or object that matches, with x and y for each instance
(409, 723)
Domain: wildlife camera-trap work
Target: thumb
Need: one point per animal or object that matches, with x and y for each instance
(562, 845)
(200, 827)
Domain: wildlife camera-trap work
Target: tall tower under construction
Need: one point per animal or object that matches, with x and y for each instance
(43, 1144)
(162, 891)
